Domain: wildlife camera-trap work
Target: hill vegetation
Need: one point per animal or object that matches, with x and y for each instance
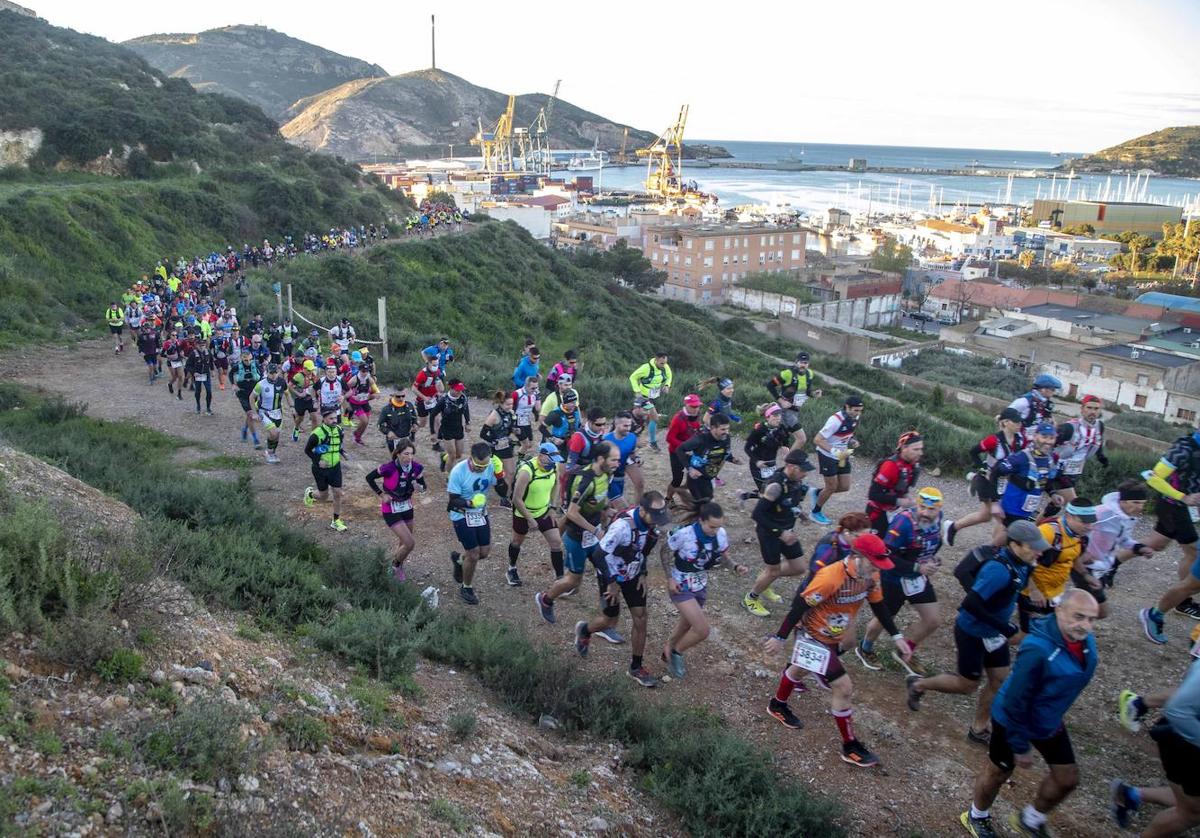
(1172, 151)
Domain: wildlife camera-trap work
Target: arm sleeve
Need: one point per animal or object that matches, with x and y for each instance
(974, 605)
(884, 616)
(773, 386)
(310, 446)
(981, 448)
(1183, 710)
(371, 481)
(466, 411)
(1158, 480)
(794, 615)
(1023, 683)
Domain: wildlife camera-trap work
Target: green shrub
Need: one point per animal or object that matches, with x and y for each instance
(1146, 424)
(304, 732)
(462, 726)
(450, 814)
(204, 741)
(384, 641)
(581, 778)
(974, 373)
(47, 744)
(121, 667)
(164, 695)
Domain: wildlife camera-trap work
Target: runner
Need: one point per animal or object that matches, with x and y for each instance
(836, 544)
(762, 449)
(774, 517)
(626, 442)
(620, 560)
(1078, 440)
(1035, 406)
(360, 390)
(148, 346)
(791, 388)
(583, 525)
(1027, 473)
(723, 403)
(986, 485)
(822, 611)
(704, 455)
(650, 381)
(199, 366)
(439, 352)
(331, 391)
(114, 316)
(568, 366)
(172, 351)
(467, 486)
(342, 335)
(892, 480)
(993, 578)
(913, 539)
(301, 387)
(835, 442)
(266, 399)
(223, 349)
(687, 555)
(245, 375)
(554, 400)
(401, 476)
(398, 421)
(527, 367)
(532, 494)
(580, 444)
(497, 431)
(325, 448)
(430, 384)
(1176, 478)
(1110, 541)
(560, 425)
(1053, 666)
(1067, 534)
(455, 412)
(684, 425)
(526, 402)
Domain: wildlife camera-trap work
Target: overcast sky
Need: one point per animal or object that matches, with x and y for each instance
(1053, 75)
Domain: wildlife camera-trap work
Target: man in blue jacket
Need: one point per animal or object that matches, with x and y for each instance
(528, 367)
(1053, 666)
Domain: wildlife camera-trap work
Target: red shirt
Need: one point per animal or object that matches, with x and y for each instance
(426, 384)
(1075, 647)
(681, 429)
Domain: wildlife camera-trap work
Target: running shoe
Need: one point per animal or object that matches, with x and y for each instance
(310, 495)
(456, 565)
(611, 635)
(979, 827)
(869, 659)
(1018, 826)
(467, 593)
(914, 666)
(209, 412)
(546, 608)
(654, 447)
(258, 446)
(296, 435)
(745, 496)
(770, 596)
(245, 430)
(1188, 608)
(571, 592)
(643, 677)
(1153, 625)
(675, 665)
(754, 606)
(819, 517)
(1123, 806)
(581, 642)
(171, 389)
(979, 737)
(271, 458)
(338, 525)
(780, 711)
(358, 441)
(856, 753)
(505, 503)
(512, 577)
(914, 695)
(1127, 711)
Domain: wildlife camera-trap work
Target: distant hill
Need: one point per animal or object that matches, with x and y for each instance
(260, 65)
(1171, 151)
(424, 111)
(5, 5)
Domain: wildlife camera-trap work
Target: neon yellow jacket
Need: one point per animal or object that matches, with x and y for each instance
(648, 379)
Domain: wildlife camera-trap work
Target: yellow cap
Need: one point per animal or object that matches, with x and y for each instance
(309, 365)
(930, 496)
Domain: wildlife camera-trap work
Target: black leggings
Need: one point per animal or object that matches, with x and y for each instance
(207, 385)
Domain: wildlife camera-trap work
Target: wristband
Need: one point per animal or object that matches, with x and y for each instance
(897, 636)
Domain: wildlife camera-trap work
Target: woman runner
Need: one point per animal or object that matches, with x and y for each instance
(497, 431)
(400, 476)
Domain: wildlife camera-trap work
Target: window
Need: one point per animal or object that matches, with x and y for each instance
(1139, 401)
(706, 296)
(727, 241)
(771, 256)
(725, 260)
(687, 261)
(745, 241)
(676, 258)
(796, 238)
(689, 244)
(795, 255)
(708, 244)
(771, 241)
(724, 277)
(708, 261)
(1096, 369)
(1185, 414)
(706, 280)
(1143, 380)
(762, 241)
(762, 259)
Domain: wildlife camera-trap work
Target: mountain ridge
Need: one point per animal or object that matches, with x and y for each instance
(1174, 152)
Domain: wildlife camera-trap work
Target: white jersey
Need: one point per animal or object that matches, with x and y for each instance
(331, 392)
(523, 405)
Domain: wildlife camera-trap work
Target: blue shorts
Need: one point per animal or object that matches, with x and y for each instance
(616, 487)
(472, 538)
(576, 558)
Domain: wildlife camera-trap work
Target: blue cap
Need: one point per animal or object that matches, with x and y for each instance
(356, 355)
(551, 451)
(1046, 380)
(1045, 428)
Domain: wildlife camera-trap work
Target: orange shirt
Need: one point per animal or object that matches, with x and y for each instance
(834, 597)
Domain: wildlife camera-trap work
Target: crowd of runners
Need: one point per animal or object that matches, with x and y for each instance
(573, 474)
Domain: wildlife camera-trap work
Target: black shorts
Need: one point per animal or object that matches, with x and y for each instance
(505, 453)
(545, 522)
(244, 400)
(327, 477)
(304, 405)
(829, 466)
(116, 330)
(524, 433)
(973, 658)
(151, 360)
(772, 547)
(1079, 582)
(1060, 482)
(221, 363)
(676, 472)
(1179, 758)
(392, 443)
(422, 410)
(894, 596)
(1027, 611)
(393, 518)
(984, 489)
(760, 482)
(1008, 519)
(700, 488)
(453, 435)
(630, 592)
(1056, 749)
(1175, 522)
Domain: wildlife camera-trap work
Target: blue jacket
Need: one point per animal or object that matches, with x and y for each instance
(525, 369)
(1044, 683)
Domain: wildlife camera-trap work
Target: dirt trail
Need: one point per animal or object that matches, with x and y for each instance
(928, 764)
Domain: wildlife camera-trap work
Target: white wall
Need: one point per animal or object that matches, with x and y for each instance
(534, 219)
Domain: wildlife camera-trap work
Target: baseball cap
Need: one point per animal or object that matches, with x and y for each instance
(1045, 428)
(799, 458)
(327, 411)
(356, 356)
(853, 401)
(1011, 414)
(272, 367)
(570, 396)
(724, 382)
(802, 356)
(692, 400)
(1089, 399)
(1027, 533)
(458, 386)
(309, 365)
(929, 496)
(551, 451)
(872, 547)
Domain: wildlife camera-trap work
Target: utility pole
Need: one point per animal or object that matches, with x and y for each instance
(433, 41)
(383, 335)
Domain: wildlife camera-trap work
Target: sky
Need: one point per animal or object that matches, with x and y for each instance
(1045, 75)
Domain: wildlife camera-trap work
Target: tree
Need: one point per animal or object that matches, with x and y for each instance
(438, 196)
(891, 256)
(1080, 230)
(626, 264)
(1025, 260)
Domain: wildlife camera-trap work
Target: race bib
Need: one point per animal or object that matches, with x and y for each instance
(1031, 504)
(476, 517)
(1195, 653)
(176, 364)
(503, 444)
(1001, 485)
(524, 419)
(398, 506)
(589, 540)
(799, 399)
(1194, 513)
(200, 376)
(429, 403)
(766, 469)
(994, 643)
(913, 585)
(654, 392)
(1073, 467)
(810, 655)
(691, 582)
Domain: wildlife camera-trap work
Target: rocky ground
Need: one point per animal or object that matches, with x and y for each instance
(928, 764)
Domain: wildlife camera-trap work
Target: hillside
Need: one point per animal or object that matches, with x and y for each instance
(422, 112)
(262, 66)
(115, 165)
(1174, 152)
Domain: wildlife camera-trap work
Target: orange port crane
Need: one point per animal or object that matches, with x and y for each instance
(664, 175)
(496, 144)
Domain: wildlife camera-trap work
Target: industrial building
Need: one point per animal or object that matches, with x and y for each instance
(1107, 216)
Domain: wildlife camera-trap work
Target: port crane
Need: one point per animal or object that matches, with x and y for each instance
(496, 145)
(663, 175)
(533, 143)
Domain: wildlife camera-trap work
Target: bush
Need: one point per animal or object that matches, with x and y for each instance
(121, 667)
(967, 372)
(303, 732)
(384, 641)
(1146, 424)
(462, 726)
(204, 741)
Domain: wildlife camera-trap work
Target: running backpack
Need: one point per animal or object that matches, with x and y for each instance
(968, 566)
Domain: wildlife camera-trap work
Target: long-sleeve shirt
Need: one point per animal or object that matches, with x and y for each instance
(681, 429)
(1112, 531)
(1183, 710)
(649, 379)
(526, 368)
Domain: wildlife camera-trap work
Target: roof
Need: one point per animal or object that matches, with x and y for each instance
(1090, 319)
(546, 201)
(945, 226)
(1141, 355)
(1171, 301)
